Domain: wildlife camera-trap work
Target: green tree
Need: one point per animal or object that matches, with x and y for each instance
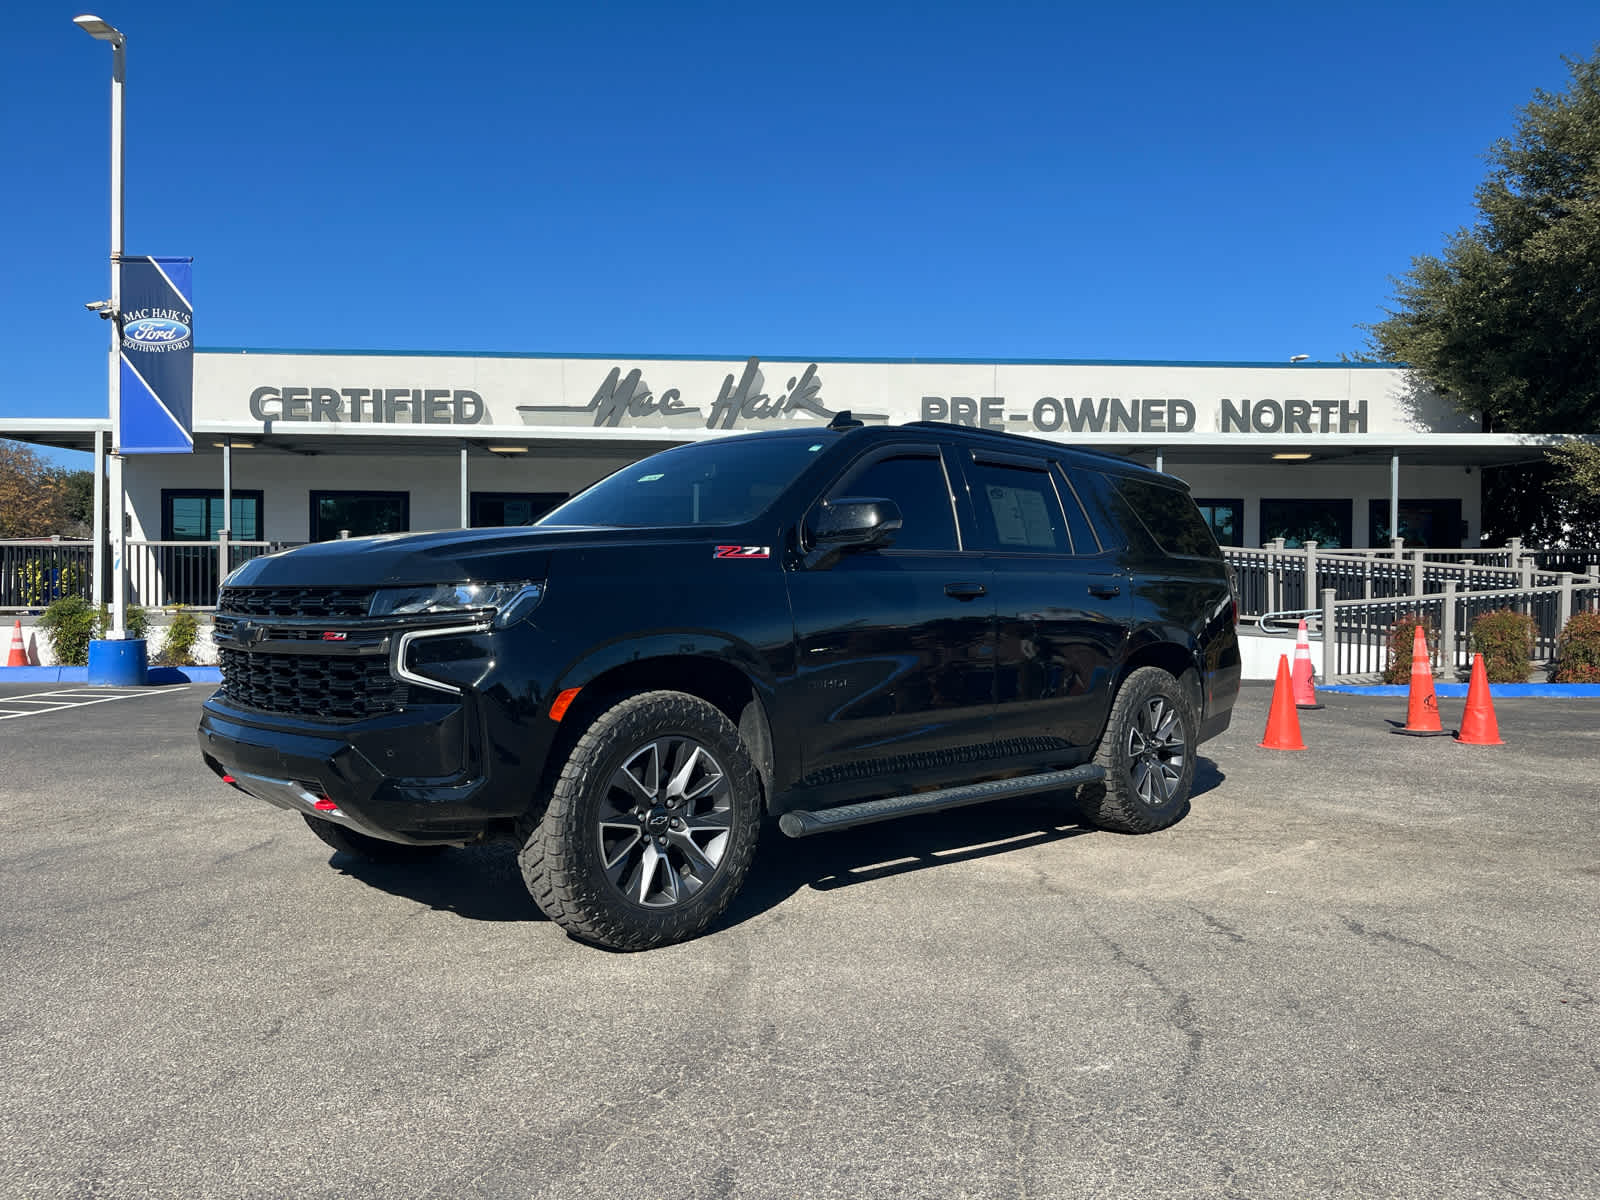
(77, 502)
(31, 501)
(1506, 320)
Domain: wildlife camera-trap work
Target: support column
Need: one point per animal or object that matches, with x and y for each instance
(1394, 496)
(1161, 461)
(1448, 634)
(1330, 637)
(466, 512)
(226, 532)
(98, 590)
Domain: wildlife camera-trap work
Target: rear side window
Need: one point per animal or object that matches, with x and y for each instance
(1018, 509)
(916, 483)
(1171, 517)
(1115, 522)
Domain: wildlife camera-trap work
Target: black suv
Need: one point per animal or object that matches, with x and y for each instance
(830, 625)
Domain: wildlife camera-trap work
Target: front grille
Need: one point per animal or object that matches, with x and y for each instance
(295, 602)
(312, 685)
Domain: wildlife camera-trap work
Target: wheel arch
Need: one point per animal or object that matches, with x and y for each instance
(1177, 659)
(715, 680)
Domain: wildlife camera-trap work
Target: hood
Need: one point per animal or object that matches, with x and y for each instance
(446, 556)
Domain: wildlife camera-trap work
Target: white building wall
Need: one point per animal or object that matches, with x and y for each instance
(286, 481)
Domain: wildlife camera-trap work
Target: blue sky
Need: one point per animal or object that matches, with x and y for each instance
(1232, 182)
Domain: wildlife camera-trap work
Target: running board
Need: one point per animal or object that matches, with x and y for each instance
(801, 823)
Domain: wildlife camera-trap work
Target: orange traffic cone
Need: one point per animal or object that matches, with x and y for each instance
(1305, 688)
(1422, 709)
(19, 647)
(1478, 726)
(1283, 724)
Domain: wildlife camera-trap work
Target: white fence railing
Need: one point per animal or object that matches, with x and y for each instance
(1356, 633)
(1277, 579)
(160, 574)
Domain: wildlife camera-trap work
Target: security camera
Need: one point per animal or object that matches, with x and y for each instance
(97, 305)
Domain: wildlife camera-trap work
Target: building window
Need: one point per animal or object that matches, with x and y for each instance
(358, 513)
(1326, 522)
(1226, 518)
(511, 508)
(1430, 524)
(195, 515)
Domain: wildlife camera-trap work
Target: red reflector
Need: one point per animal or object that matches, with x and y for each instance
(563, 702)
(325, 805)
(229, 779)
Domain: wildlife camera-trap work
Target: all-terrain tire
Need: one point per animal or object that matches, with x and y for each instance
(361, 845)
(651, 826)
(1148, 750)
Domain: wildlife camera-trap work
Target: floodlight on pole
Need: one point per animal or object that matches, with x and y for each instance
(103, 31)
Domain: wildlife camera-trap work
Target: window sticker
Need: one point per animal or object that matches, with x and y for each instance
(651, 478)
(1021, 517)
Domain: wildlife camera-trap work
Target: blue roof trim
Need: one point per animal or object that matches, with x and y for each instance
(790, 358)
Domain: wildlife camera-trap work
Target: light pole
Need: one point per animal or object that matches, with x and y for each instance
(103, 32)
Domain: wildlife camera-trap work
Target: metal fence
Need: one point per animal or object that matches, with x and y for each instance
(35, 572)
(160, 574)
(1276, 579)
(1361, 629)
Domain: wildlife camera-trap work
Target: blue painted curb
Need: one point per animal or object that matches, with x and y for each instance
(154, 675)
(1497, 691)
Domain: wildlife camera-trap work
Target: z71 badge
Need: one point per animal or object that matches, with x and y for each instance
(742, 552)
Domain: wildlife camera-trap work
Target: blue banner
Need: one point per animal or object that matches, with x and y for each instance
(156, 407)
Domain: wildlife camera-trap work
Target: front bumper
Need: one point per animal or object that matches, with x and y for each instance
(419, 776)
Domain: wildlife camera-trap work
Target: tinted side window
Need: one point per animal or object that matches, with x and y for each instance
(1171, 518)
(1114, 521)
(1018, 509)
(1083, 539)
(917, 484)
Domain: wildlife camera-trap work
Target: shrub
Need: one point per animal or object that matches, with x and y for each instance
(1505, 639)
(1577, 657)
(69, 625)
(135, 618)
(177, 648)
(1402, 638)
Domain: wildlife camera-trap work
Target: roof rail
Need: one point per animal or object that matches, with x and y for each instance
(1008, 436)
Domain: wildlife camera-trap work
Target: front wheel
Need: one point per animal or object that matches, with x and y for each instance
(651, 826)
(1148, 751)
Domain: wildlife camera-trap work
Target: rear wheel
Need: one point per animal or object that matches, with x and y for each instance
(651, 827)
(362, 845)
(1148, 751)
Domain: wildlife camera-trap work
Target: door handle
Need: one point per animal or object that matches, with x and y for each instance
(965, 591)
(1104, 591)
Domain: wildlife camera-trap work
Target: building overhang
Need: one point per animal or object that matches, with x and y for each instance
(1176, 450)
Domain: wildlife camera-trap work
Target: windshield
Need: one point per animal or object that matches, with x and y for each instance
(723, 482)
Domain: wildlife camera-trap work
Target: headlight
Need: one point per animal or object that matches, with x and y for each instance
(510, 602)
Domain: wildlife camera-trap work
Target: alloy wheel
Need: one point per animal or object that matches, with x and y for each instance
(665, 822)
(1157, 751)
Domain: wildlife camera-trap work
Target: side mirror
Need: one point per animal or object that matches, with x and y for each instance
(852, 524)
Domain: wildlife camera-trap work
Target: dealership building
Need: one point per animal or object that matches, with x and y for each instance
(295, 446)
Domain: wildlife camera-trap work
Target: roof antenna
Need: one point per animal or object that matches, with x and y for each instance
(843, 420)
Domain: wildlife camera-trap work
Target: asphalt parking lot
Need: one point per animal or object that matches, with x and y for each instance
(1368, 969)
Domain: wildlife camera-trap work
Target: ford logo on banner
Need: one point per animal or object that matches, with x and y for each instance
(155, 382)
(154, 330)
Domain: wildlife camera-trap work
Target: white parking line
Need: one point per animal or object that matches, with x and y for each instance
(74, 698)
